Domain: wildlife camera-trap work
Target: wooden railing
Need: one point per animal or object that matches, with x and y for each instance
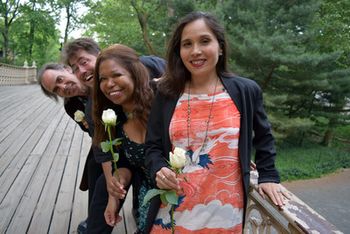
(296, 217)
(16, 75)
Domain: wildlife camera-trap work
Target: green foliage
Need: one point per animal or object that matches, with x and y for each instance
(310, 161)
(32, 34)
(113, 22)
(275, 43)
(126, 28)
(45, 36)
(343, 132)
(290, 129)
(333, 25)
(105, 146)
(170, 197)
(166, 196)
(150, 194)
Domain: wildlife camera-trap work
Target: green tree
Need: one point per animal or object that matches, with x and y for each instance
(274, 42)
(136, 23)
(334, 25)
(71, 9)
(9, 11)
(34, 34)
(110, 22)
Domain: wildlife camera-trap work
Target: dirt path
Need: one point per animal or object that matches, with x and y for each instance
(329, 196)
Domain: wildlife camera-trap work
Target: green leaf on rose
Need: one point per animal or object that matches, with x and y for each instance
(163, 199)
(105, 146)
(116, 157)
(152, 193)
(117, 141)
(171, 197)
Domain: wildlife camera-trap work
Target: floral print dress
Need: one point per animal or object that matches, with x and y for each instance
(212, 201)
(141, 182)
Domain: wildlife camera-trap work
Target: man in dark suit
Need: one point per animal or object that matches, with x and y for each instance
(58, 80)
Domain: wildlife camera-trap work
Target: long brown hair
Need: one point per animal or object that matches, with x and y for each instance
(142, 95)
(176, 74)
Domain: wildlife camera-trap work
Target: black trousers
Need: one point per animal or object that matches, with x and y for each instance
(96, 220)
(94, 171)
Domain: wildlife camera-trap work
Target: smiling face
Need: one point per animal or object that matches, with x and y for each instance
(116, 83)
(83, 66)
(199, 49)
(63, 83)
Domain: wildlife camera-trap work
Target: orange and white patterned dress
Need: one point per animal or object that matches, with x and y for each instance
(212, 201)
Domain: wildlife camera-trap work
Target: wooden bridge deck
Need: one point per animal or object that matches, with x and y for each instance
(42, 154)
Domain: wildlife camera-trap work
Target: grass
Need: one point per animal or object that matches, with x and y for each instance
(310, 161)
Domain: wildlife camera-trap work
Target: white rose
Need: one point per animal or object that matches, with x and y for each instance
(79, 116)
(109, 117)
(178, 158)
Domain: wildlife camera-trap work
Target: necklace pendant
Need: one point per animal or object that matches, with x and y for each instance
(129, 115)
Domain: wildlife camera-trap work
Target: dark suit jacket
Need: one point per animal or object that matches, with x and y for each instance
(247, 96)
(72, 104)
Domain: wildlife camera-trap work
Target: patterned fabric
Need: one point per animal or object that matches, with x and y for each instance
(141, 182)
(212, 201)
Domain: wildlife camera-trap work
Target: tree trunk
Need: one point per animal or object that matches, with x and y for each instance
(142, 17)
(69, 15)
(268, 78)
(6, 44)
(31, 36)
(327, 138)
(31, 40)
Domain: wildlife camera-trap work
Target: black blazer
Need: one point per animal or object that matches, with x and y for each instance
(247, 96)
(72, 104)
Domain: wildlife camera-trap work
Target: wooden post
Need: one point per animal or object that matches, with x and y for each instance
(26, 73)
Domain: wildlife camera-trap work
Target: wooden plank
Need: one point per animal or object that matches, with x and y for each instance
(49, 131)
(9, 204)
(18, 205)
(15, 107)
(44, 209)
(63, 208)
(13, 143)
(15, 116)
(11, 120)
(22, 214)
(11, 172)
(43, 213)
(7, 94)
(80, 205)
(28, 204)
(129, 220)
(25, 127)
(12, 104)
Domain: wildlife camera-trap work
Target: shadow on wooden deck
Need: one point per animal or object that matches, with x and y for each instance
(42, 154)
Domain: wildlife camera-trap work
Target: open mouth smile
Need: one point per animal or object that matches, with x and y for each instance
(88, 78)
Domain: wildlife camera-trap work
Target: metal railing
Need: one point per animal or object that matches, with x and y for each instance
(296, 217)
(16, 75)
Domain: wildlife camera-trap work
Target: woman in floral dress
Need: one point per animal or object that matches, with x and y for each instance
(212, 114)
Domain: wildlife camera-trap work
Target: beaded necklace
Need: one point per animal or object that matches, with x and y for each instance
(207, 122)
